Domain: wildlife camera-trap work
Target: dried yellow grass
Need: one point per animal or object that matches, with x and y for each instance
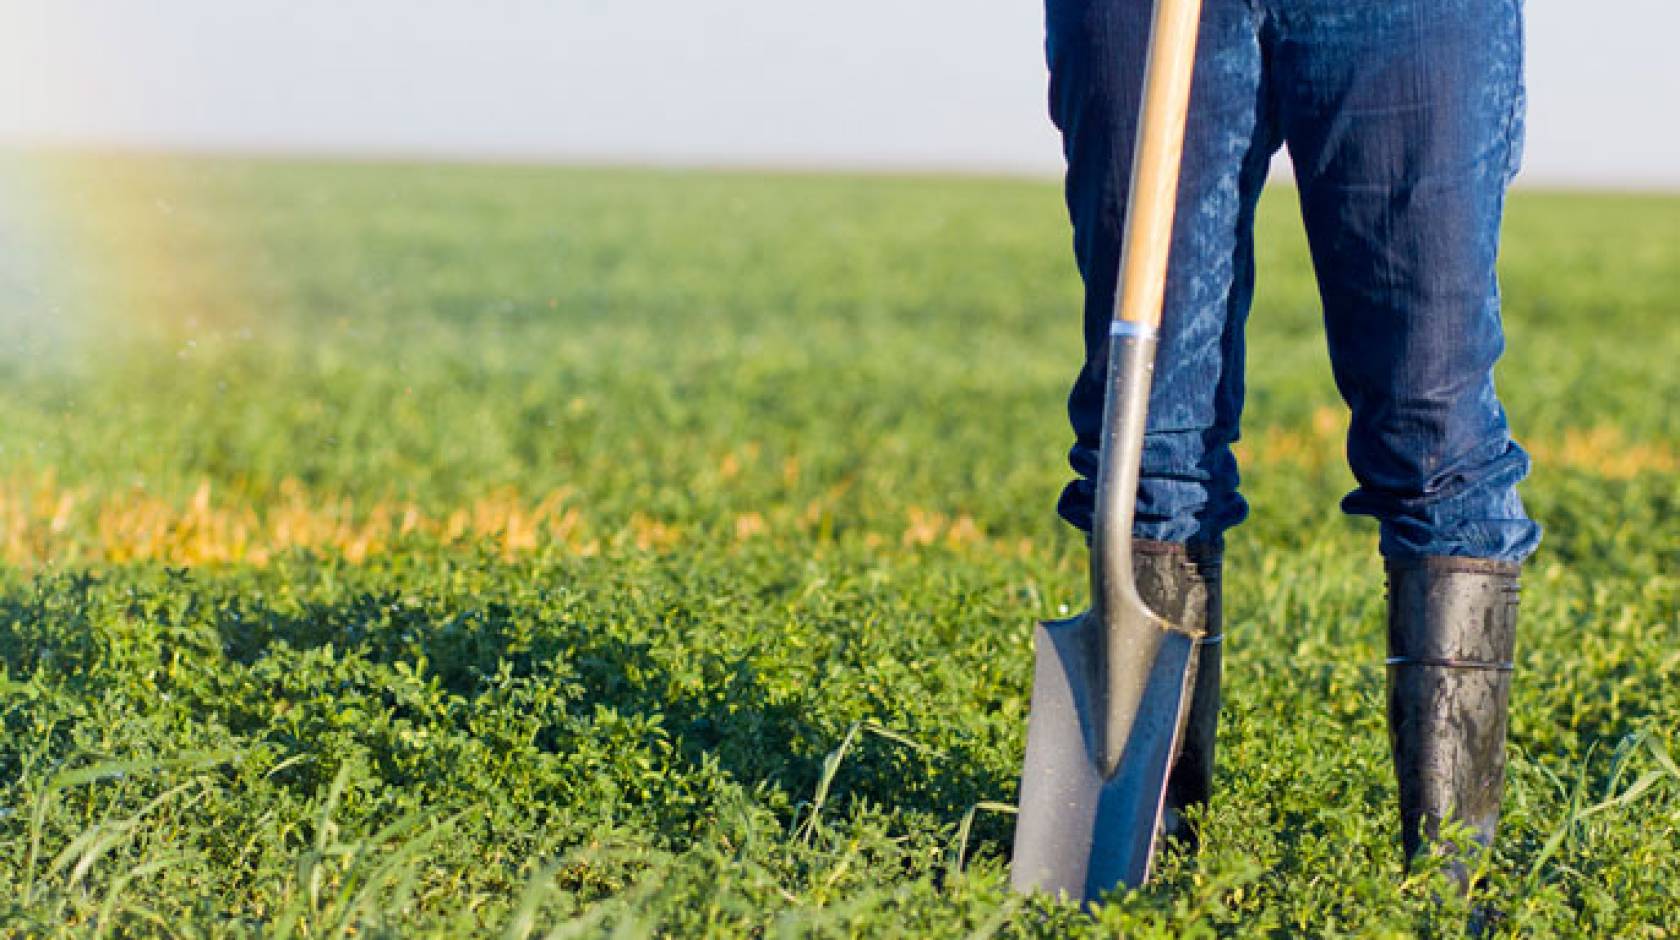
(1606, 452)
(1603, 451)
(41, 520)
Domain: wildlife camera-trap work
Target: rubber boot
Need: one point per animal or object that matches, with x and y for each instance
(1452, 628)
(1182, 584)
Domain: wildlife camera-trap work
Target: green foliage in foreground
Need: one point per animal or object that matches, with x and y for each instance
(814, 732)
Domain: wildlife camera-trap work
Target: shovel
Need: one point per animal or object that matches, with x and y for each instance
(1111, 686)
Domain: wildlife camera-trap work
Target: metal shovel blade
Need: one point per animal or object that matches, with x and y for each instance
(1084, 829)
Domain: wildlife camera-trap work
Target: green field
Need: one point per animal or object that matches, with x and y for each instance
(514, 551)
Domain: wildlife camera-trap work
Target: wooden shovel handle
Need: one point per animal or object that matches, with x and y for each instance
(1159, 147)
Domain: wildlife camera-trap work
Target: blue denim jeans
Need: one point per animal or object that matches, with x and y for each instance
(1403, 120)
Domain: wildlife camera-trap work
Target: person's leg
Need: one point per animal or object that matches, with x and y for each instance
(1404, 122)
(1188, 488)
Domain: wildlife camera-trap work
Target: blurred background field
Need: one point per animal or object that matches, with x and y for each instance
(453, 548)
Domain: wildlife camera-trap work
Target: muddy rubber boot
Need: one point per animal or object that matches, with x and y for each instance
(1452, 629)
(1182, 584)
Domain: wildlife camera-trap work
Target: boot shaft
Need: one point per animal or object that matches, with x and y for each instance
(1451, 637)
(1183, 584)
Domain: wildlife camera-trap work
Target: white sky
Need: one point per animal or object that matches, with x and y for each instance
(897, 83)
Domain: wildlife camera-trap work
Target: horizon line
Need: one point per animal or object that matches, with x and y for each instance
(783, 164)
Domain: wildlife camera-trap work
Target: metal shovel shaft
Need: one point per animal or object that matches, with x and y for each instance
(1131, 364)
